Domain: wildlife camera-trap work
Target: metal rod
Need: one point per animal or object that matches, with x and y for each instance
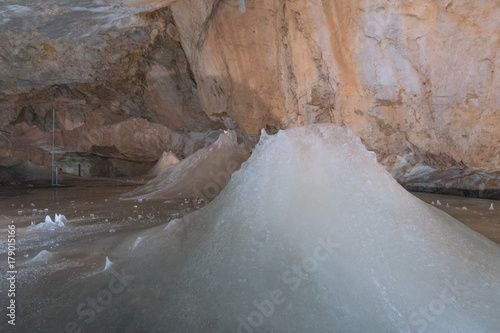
(53, 142)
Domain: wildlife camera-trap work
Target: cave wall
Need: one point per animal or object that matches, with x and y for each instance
(118, 81)
(416, 80)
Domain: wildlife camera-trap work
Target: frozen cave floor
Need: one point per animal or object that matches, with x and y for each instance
(99, 221)
(62, 271)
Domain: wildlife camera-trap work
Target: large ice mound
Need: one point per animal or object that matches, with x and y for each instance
(310, 235)
(313, 235)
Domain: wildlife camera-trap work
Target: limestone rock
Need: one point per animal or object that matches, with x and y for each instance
(406, 76)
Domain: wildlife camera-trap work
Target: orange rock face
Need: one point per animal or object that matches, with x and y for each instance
(407, 77)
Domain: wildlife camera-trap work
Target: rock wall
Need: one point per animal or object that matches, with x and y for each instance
(418, 81)
(113, 74)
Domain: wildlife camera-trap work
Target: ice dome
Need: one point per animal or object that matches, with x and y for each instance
(310, 235)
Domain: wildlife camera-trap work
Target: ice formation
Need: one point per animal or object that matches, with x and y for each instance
(166, 159)
(313, 235)
(108, 263)
(137, 241)
(491, 207)
(60, 220)
(241, 6)
(201, 175)
(48, 224)
(42, 257)
(310, 235)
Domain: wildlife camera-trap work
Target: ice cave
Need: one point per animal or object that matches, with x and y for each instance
(247, 166)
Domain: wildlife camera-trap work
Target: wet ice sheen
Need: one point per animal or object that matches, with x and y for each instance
(398, 264)
(310, 235)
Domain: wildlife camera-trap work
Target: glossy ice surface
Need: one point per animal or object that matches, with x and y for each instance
(310, 235)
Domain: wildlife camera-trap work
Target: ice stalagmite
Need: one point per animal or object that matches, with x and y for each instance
(310, 235)
(313, 235)
(164, 161)
(241, 6)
